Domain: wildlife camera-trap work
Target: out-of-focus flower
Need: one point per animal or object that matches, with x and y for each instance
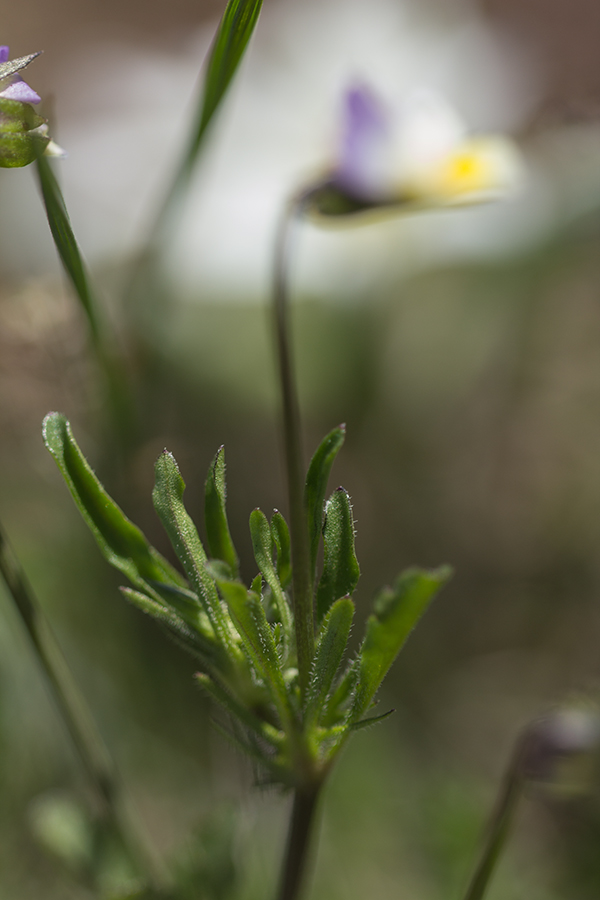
(23, 134)
(566, 735)
(428, 160)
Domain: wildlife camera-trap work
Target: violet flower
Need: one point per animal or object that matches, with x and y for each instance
(23, 134)
(426, 159)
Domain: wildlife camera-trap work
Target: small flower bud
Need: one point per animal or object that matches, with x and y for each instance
(566, 735)
(23, 134)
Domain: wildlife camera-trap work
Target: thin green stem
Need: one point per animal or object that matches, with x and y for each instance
(506, 805)
(292, 440)
(297, 855)
(91, 750)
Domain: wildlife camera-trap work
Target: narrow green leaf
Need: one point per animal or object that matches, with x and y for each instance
(281, 536)
(120, 541)
(396, 612)
(234, 32)
(249, 618)
(328, 656)
(66, 245)
(218, 537)
(264, 545)
(373, 720)
(316, 487)
(340, 565)
(168, 502)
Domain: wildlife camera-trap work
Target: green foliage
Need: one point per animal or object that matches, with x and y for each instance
(340, 565)
(281, 536)
(66, 244)
(218, 537)
(396, 612)
(120, 541)
(245, 638)
(316, 486)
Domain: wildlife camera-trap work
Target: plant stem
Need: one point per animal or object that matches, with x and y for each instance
(297, 854)
(93, 753)
(292, 439)
(506, 805)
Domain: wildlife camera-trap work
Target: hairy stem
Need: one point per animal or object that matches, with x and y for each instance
(297, 854)
(93, 753)
(292, 439)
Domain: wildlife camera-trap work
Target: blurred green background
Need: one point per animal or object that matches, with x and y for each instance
(470, 384)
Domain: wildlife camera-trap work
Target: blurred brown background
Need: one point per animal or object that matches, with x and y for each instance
(471, 389)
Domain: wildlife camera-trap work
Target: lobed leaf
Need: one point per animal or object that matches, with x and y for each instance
(316, 487)
(218, 536)
(328, 656)
(396, 612)
(120, 541)
(340, 565)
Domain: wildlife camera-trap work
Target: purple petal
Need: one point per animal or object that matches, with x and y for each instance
(20, 90)
(361, 165)
(3, 54)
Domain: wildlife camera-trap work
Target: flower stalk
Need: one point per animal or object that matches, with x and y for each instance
(292, 441)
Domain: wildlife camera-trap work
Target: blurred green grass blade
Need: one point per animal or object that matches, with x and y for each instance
(396, 612)
(218, 536)
(66, 245)
(121, 542)
(281, 536)
(340, 565)
(167, 497)
(329, 654)
(234, 32)
(263, 546)
(316, 487)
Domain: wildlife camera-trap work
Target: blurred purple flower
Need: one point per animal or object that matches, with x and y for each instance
(12, 86)
(421, 158)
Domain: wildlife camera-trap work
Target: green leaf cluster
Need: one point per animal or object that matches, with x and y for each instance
(243, 636)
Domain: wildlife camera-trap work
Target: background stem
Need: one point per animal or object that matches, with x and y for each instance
(297, 852)
(292, 439)
(91, 749)
(509, 796)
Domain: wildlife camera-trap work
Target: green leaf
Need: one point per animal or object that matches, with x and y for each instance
(168, 502)
(316, 487)
(340, 565)
(232, 705)
(218, 537)
(328, 656)
(201, 645)
(281, 536)
(397, 611)
(234, 32)
(249, 618)
(121, 542)
(373, 720)
(264, 545)
(66, 245)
